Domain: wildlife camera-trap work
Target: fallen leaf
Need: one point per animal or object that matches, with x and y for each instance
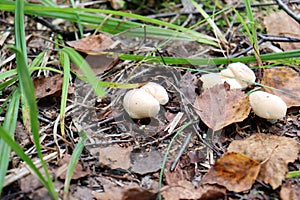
(274, 151)
(285, 79)
(110, 193)
(46, 86)
(290, 191)
(115, 157)
(79, 172)
(138, 193)
(286, 26)
(179, 174)
(186, 190)
(146, 162)
(218, 107)
(234, 171)
(125, 193)
(92, 44)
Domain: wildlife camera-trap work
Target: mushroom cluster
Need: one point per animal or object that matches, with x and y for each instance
(145, 102)
(237, 75)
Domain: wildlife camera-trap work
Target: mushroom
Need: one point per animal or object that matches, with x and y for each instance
(140, 104)
(210, 80)
(241, 72)
(268, 106)
(157, 91)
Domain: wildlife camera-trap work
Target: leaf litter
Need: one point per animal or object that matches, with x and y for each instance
(286, 80)
(219, 107)
(273, 152)
(225, 106)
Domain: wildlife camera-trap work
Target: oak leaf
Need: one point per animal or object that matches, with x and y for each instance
(274, 152)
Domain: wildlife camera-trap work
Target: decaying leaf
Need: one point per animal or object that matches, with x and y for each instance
(46, 86)
(92, 44)
(126, 193)
(290, 191)
(218, 107)
(138, 193)
(274, 151)
(234, 171)
(286, 26)
(146, 162)
(115, 157)
(285, 79)
(79, 172)
(186, 190)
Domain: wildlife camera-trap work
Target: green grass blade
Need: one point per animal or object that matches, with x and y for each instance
(84, 67)
(210, 61)
(9, 125)
(253, 35)
(215, 28)
(19, 151)
(73, 161)
(65, 62)
(48, 3)
(114, 25)
(27, 89)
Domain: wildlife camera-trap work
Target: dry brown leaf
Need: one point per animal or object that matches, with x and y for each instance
(274, 151)
(92, 44)
(146, 162)
(285, 79)
(115, 157)
(126, 193)
(46, 86)
(286, 26)
(218, 107)
(110, 193)
(79, 172)
(186, 190)
(234, 171)
(138, 193)
(290, 192)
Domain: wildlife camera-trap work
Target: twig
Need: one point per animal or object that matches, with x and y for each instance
(288, 11)
(181, 151)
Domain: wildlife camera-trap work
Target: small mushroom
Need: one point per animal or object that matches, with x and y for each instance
(140, 104)
(268, 106)
(241, 72)
(157, 91)
(210, 80)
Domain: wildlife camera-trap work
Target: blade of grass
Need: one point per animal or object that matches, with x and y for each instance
(114, 25)
(73, 161)
(215, 28)
(65, 62)
(84, 67)
(27, 89)
(9, 125)
(253, 35)
(19, 151)
(210, 61)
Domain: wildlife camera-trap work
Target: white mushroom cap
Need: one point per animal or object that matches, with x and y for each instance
(140, 104)
(157, 91)
(268, 106)
(239, 71)
(242, 71)
(210, 80)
